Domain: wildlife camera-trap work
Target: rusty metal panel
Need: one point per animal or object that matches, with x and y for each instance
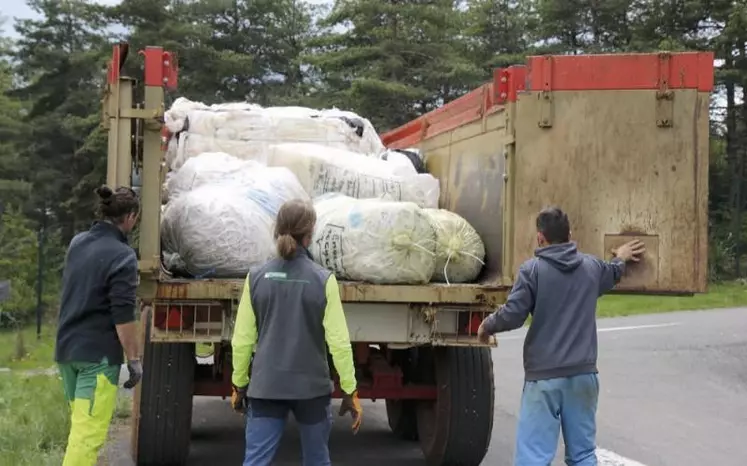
(614, 170)
(351, 292)
(638, 275)
(470, 168)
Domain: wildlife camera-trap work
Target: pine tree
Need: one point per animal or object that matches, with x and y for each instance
(60, 60)
(395, 60)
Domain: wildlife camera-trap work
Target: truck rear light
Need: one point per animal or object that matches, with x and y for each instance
(469, 321)
(174, 317)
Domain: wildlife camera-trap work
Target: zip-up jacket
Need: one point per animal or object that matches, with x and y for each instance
(559, 287)
(98, 293)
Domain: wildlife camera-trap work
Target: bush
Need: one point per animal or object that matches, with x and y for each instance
(34, 420)
(19, 264)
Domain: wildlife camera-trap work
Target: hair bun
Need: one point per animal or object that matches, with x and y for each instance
(105, 193)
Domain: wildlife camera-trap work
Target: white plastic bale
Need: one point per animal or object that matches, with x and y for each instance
(374, 241)
(206, 168)
(248, 122)
(323, 170)
(460, 252)
(217, 231)
(269, 186)
(176, 116)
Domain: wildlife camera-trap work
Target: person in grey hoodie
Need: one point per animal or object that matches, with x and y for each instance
(559, 287)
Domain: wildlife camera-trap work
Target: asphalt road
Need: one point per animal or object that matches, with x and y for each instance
(674, 393)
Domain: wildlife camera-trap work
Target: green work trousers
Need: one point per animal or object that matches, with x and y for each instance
(91, 391)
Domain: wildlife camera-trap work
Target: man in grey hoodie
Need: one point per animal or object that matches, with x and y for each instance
(559, 287)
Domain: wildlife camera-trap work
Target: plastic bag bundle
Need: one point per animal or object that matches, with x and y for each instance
(269, 186)
(199, 128)
(217, 231)
(460, 252)
(405, 157)
(373, 240)
(324, 170)
(175, 118)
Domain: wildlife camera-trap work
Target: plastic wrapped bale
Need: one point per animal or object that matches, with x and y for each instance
(176, 117)
(199, 128)
(270, 184)
(206, 168)
(405, 157)
(460, 252)
(373, 240)
(217, 231)
(323, 170)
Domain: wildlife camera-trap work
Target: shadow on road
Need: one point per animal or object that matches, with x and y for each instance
(218, 438)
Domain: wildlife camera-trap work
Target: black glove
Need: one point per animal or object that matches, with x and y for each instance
(136, 373)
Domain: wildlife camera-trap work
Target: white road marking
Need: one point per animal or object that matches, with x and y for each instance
(609, 458)
(607, 329)
(637, 327)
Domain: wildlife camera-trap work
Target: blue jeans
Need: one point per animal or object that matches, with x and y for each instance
(265, 423)
(547, 406)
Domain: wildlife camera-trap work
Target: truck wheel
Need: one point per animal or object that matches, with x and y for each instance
(455, 429)
(403, 418)
(165, 421)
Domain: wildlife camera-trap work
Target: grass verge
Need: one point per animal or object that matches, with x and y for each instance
(722, 295)
(23, 351)
(33, 420)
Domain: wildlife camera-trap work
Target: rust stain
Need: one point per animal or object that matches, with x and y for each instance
(172, 290)
(632, 230)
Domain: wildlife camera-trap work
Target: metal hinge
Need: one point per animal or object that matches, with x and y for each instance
(664, 96)
(546, 97)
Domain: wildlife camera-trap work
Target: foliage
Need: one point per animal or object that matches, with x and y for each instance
(19, 263)
(34, 420)
(390, 60)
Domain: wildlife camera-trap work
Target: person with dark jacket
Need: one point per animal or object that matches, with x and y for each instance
(97, 323)
(288, 315)
(559, 287)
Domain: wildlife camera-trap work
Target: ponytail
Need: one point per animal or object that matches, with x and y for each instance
(286, 246)
(294, 225)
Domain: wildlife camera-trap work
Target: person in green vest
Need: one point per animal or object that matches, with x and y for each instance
(290, 312)
(97, 323)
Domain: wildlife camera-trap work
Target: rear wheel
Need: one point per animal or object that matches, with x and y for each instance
(403, 418)
(455, 429)
(165, 420)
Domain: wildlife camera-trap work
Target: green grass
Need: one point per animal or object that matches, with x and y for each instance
(34, 354)
(123, 409)
(33, 420)
(719, 296)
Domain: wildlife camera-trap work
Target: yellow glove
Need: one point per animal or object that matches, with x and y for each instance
(238, 398)
(351, 404)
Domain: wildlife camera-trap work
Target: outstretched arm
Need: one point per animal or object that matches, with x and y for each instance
(519, 304)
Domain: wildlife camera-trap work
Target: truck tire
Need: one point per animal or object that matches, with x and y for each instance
(165, 421)
(455, 430)
(403, 418)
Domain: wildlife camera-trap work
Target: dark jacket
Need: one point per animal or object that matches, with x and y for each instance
(98, 293)
(559, 287)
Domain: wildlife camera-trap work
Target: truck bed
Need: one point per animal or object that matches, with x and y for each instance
(352, 292)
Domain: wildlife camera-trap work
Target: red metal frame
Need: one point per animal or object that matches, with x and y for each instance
(161, 67)
(382, 380)
(114, 67)
(655, 71)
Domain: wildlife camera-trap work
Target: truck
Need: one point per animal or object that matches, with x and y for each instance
(620, 142)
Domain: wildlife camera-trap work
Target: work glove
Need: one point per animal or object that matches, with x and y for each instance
(135, 367)
(238, 398)
(351, 404)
